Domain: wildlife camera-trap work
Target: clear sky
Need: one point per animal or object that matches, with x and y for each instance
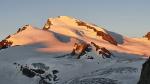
(128, 17)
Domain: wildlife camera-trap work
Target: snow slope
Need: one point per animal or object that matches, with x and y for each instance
(121, 69)
(50, 40)
(64, 32)
(67, 26)
(50, 49)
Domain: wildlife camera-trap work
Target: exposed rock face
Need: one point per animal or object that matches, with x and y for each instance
(104, 36)
(8, 37)
(5, 44)
(80, 49)
(102, 51)
(145, 73)
(23, 28)
(47, 25)
(147, 35)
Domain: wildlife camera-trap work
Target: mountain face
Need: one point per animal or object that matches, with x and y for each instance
(65, 31)
(70, 51)
(80, 49)
(78, 26)
(83, 48)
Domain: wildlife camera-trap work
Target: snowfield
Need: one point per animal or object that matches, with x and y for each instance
(44, 56)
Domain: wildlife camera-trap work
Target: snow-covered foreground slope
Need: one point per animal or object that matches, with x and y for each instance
(51, 49)
(120, 69)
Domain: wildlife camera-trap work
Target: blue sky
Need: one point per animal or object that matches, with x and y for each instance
(128, 17)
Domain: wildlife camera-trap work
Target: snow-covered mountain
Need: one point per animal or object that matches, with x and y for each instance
(70, 51)
(78, 29)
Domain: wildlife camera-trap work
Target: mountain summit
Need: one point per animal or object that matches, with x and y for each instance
(77, 28)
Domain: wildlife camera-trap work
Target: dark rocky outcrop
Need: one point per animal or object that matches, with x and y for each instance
(22, 29)
(96, 46)
(5, 44)
(8, 37)
(117, 37)
(106, 37)
(47, 26)
(19, 30)
(102, 51)
(145, 73)
(81, 23)
(80, 49)
(147, 35)
(44, 78)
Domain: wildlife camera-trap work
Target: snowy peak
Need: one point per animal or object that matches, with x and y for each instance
(60, 20)
(44, 41)
(7, 42)
(20, 37)
(77, 28)
(64, 31)
(20, 30)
